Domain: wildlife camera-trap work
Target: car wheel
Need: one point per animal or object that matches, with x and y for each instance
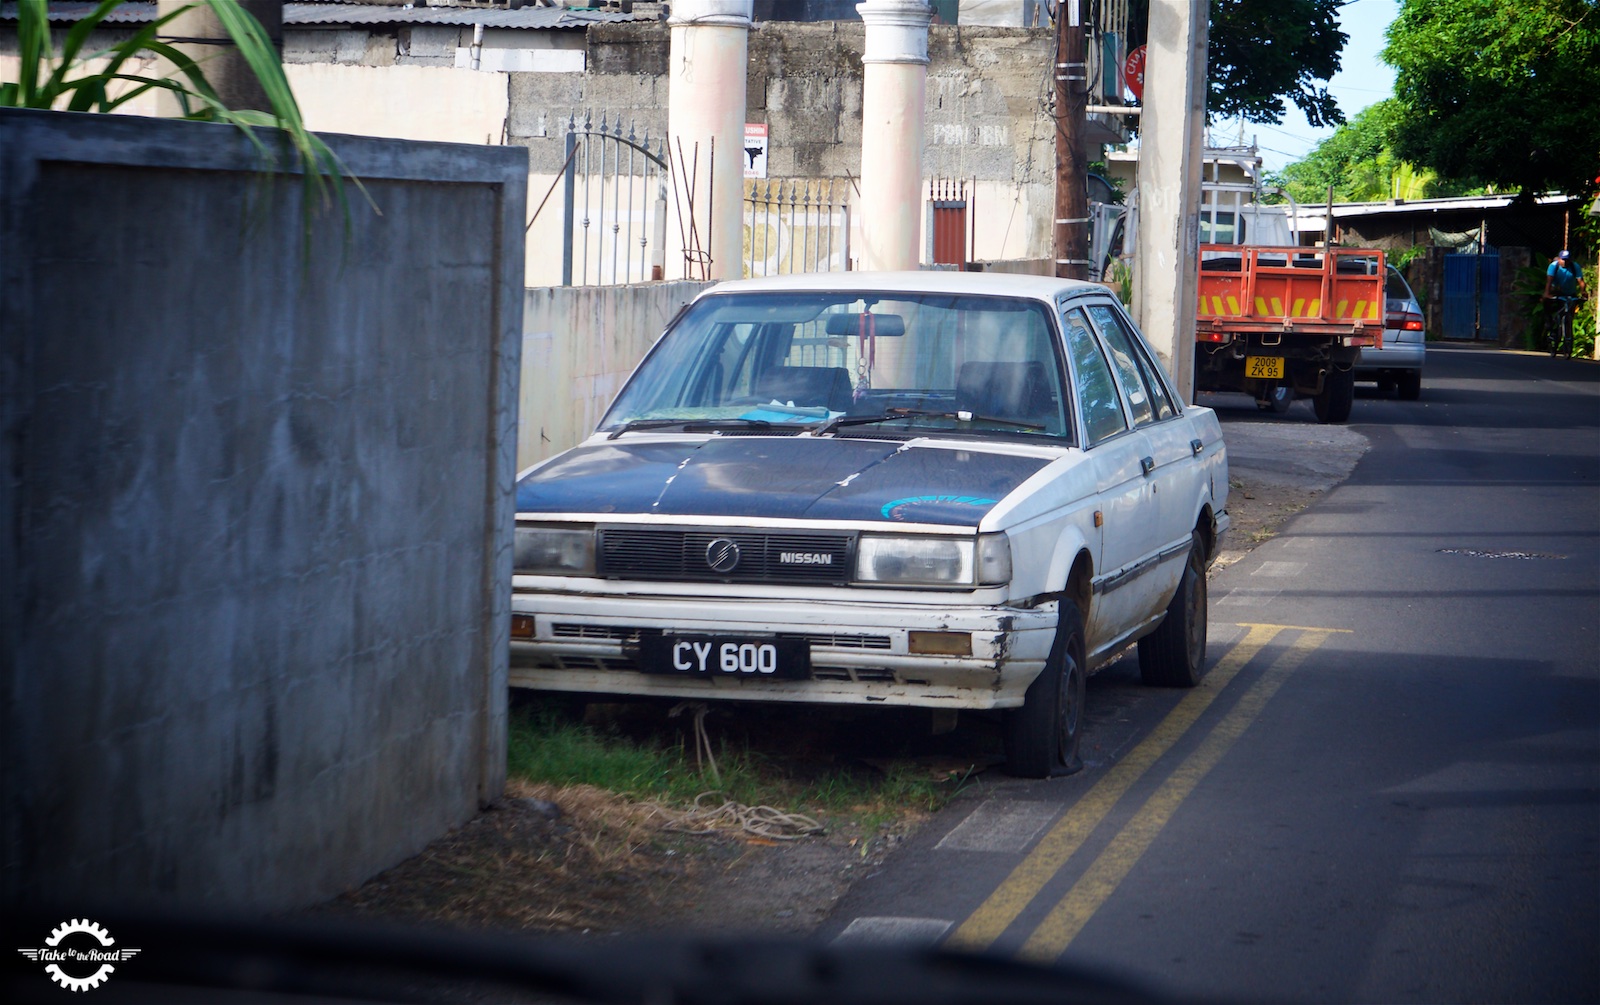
(1174, 655)
(1411, 385)
(1041, 737)
(1332, 403)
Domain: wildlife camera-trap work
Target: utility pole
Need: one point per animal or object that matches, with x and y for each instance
(1072, 202)
(1166, 279)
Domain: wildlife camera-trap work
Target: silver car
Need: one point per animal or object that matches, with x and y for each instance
(1397, 364)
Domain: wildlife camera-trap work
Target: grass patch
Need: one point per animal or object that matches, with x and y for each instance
(642, 754)
(547, 746)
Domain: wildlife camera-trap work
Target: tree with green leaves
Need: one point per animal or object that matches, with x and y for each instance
(1503, 92)
(1360, 162)
(1262, 51)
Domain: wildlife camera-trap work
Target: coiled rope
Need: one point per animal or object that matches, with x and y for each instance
(702, 818)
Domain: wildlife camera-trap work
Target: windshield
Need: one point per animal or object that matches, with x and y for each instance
(853, 362)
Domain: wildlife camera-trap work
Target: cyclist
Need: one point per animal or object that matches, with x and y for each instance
(1563, 282)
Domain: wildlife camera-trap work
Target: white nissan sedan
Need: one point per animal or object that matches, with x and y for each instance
(943, 490)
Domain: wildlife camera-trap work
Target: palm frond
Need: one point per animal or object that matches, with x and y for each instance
(50, 80)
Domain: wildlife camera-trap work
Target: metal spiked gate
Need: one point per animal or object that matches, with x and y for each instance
(948, 198)
(616, 203)
(796, 226)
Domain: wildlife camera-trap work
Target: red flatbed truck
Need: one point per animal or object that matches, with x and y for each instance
(1285, 322)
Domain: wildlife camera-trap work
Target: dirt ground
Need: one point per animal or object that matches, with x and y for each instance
(583, 860)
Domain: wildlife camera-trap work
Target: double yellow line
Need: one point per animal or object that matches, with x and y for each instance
(1107, 871)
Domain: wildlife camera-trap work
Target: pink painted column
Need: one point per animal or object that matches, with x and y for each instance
(894, 91)
(706, 100)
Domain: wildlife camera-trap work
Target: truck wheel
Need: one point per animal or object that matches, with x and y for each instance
(1041, 737)
(1277, 399)
(1338, 393)
(1411, 385)
(1174, 655)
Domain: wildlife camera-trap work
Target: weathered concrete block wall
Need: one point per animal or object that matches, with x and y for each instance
(805, 83)
(579, 344)
(257, 513)
(986, 122)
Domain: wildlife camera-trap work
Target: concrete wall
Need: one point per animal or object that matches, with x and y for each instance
(257, 518)
(579, 343)
(404, 102)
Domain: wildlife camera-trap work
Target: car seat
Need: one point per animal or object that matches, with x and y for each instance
(1019, 391)
(807, 386)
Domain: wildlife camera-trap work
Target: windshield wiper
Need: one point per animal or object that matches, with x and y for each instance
(633, 424)
(689, 425)
(891, 414)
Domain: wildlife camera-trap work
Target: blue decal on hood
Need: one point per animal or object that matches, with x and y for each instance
(896, 510)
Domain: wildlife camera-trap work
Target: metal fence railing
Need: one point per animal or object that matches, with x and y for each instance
(796, 226)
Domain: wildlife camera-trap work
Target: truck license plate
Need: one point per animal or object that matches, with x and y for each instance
(1264, 367)
(724, 656)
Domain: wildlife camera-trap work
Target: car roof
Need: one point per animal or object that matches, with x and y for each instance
(969, 283)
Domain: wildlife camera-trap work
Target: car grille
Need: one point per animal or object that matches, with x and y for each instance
(615, 633)
(838, 640)
(821, 559)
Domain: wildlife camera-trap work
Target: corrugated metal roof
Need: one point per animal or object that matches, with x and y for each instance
(76, 10)
(301, 14)
(524, 17)
(1342, 210)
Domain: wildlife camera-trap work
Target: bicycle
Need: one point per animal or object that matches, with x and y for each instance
(1558, 326)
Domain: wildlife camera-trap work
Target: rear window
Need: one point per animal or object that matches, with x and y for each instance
(1395, 288)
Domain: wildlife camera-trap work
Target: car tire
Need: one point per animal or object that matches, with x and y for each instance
(1411, 385)
(1041, 737)
(1174, 655)
(1332, 403)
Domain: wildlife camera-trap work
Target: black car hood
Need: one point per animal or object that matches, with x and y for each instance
(777, 477)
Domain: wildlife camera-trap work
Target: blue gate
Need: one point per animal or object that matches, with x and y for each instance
(1472, 296)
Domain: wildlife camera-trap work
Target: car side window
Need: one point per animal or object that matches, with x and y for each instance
(1146, 392)
(1098, 401)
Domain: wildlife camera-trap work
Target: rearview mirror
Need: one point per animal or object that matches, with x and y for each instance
(881, 325)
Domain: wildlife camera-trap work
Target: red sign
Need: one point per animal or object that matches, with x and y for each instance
(1133, 73)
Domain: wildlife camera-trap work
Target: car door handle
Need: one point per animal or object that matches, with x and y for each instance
(1148, 464)
(1198, 446)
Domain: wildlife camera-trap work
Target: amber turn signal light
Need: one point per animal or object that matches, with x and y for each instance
(522, 626)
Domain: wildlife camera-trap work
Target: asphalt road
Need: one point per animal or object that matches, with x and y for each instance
(1388, 786)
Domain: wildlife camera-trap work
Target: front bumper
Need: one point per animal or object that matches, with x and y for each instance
(860, 651)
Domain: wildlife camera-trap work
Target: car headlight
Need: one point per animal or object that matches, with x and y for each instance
(553, 551)
(933, 561)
